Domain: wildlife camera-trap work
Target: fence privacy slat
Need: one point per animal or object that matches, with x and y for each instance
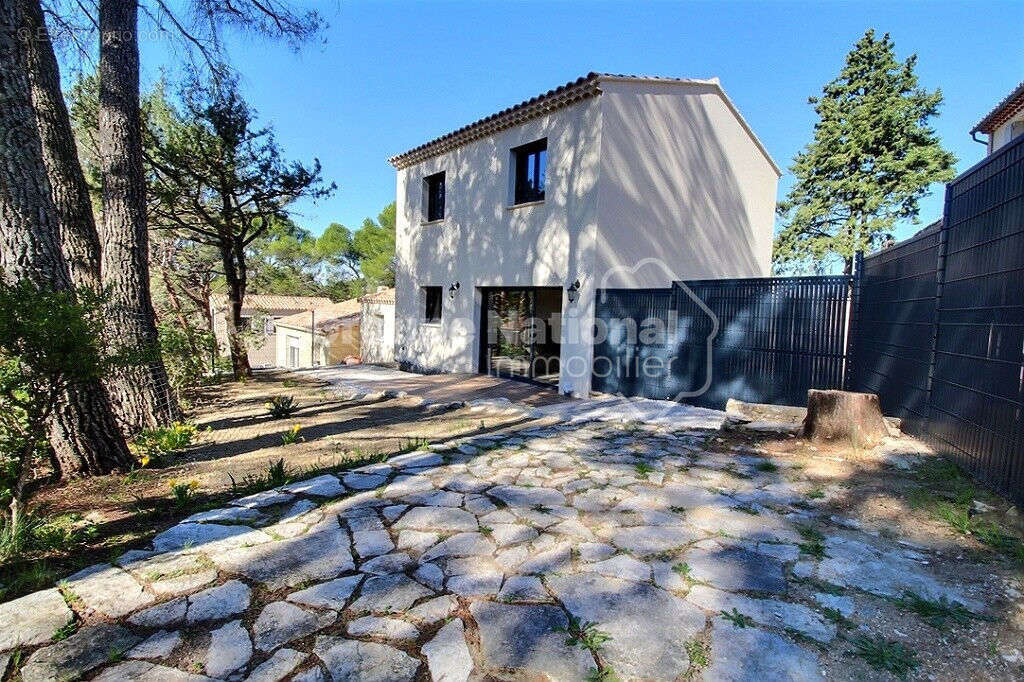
(776, 338)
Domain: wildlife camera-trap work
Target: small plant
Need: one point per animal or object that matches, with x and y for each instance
(486, 530)
(814, 542)
(115, 655)
(643, 469)
(816, 494)
(739, 620)
(748, 509)
(676, 509)
(292, 435)
(604, 674)
(276, 474)
(682, 569)
(936, 613)
(884, 654)
(151, 446)
(183, 492)
(281, 406)
(767, 466)
(411, 445)
(698, 653)
(836, 616)
(65, 631)
(585, 634)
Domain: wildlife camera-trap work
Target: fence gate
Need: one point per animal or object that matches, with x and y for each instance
(771, 339)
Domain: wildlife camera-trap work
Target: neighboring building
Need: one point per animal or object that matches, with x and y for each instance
(325, 335)
(377, 327)
(1005, 122)
(506, 228)
(263, 310)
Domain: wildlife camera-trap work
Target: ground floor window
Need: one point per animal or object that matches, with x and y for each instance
(432, 305)
(292, 348)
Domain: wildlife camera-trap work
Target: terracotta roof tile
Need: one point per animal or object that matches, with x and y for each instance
(272, 303)
(325, 317)
(1002, 112)
(558, 98)
(384, 296)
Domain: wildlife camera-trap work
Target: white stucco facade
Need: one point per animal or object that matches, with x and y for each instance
(647, 182)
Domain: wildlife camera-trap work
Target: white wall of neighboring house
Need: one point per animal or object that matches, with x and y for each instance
(377, 328)
(295, 347)
(1009, 130)
(643, 171)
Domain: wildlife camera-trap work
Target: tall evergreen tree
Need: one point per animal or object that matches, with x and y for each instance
(872, 159)
(37, 196)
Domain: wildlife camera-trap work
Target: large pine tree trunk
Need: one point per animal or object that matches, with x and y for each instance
(233, 259)
(142, 396)
(79, 239)
(85, 438)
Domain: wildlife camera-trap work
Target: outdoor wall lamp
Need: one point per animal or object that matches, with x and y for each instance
(573, 291)
(453, 289)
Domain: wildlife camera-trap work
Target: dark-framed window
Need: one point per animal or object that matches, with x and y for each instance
(435, 196)
(432, 304)
(530, 163)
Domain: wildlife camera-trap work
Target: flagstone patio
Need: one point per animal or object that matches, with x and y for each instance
(566, 552)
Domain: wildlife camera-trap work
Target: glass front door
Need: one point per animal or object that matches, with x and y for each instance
(523, 326)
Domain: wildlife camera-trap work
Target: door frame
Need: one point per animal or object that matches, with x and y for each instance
(483, 366)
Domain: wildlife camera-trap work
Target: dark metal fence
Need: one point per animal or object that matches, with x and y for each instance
(977, 396)
(768, 340)
(937, 331)
(894, 327)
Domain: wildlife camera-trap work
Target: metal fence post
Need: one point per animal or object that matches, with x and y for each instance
(940, 279)
(852, 314)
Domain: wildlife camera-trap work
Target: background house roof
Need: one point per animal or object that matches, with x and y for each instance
(272, 303)
(1006, 109)
(561, 97)
(384, 296)
(326, 318)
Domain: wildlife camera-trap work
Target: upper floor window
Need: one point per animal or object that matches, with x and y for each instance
(530, 161)
(434, 187)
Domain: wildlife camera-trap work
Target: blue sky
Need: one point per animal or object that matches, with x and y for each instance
(392, 75)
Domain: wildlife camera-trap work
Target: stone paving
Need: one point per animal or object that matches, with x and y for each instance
(562, 553)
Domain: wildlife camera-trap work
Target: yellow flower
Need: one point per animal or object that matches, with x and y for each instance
(144, 460)
(172, 483)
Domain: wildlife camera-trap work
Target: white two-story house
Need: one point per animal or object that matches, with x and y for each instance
(508, 227)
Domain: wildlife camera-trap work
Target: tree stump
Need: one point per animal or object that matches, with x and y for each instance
(854, 418)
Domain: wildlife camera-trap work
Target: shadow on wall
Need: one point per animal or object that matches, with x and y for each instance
(665, 162)
(484, 243)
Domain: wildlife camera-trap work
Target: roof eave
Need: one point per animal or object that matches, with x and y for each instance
(559, 98)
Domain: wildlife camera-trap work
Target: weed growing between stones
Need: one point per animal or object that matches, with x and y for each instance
(936, 613)
(885, 654)
(585, 634)
(699, 653)
(768, 467)
(814, 542)
(739, 620)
